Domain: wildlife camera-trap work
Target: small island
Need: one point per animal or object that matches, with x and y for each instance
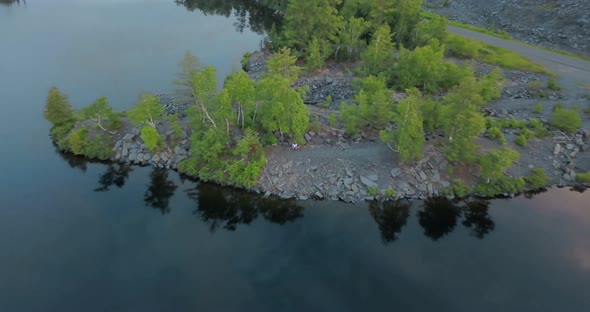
(366, 100)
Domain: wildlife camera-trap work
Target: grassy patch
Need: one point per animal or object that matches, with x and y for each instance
(538, 178)
(463, 47)
(583, 177)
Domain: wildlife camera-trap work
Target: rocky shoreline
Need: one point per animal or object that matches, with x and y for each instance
(335, 166)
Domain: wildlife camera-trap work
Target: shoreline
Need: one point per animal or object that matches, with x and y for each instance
(335, 166)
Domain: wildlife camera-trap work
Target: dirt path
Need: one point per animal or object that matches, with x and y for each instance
(573, 73)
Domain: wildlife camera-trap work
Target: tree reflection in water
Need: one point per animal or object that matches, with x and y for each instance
(116, 174)
(227, 208)
(74, 161)
(258, 15)
(160, 190)
(391, 216)
(11, 2)
(439, 217)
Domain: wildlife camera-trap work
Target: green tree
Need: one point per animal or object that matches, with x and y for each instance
(567, 120)
(462, 121)
(421, 67)
(494, 163)
(375, 102)
(98, 111)
(151, 138)
(408, 137)
(314, 59)
(378, 58)
(282, 64)
(58, 110)
(281, 107)
(406, 16)
(148, 110)
(350, 37)
(427, 29)
(491, 85)
(306, 20)
(241, 91)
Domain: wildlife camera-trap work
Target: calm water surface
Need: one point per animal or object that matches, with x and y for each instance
(79, 236)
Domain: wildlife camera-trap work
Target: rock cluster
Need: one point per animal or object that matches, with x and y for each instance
(566, 150)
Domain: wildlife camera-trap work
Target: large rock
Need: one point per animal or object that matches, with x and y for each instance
(368, 183)
(557, 149)
(395, 172)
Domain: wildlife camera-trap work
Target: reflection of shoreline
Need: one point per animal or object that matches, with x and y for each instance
(11, 2)
(227, 208)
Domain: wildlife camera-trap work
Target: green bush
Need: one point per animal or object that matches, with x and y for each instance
(460, 189)
(175, 126)
(269, 139)
(332, 120)
(390, 193)
(521, 140)
(538, 128)
(151, 138)
(372, 191)
(496, 134)
(567, 120)
(245, 60)
(583, 177)
(552, 85)
(99, 147)
(315, 125)
(538, 108)
(504, 185)
(538, 178)
(537, 88)
(327, 103)
(114, 122)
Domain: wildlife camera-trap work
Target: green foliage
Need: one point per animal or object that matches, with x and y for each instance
(173, 119)
(538, 108)
(553, 85)
(431, 115)
(314, 59)
(350, 118)
(378, 58)
(463, 47)
(587, 110)
(557, 106)
(306, 20)
(351, 43)
(99, 147)
(428, 29)
(408, 137)
(114, 122)
(372, 191)
(151, 138)
(389, 192)
(460, 189)
(495, 133)
(406, 15)
(59, 134)
(100, 111)
(245, 61)
(327, 103)
(567, 120)
(537, 89)
(241, 91)
(332, 120)
(314, 124)
(490, 86)
(282, 64)
(250, 161)
(503, 185)
(281, 108)
(538, 128)
(583, 177)
(147, 110)
(494, 163)
(521, 140)
(537, 179)
(462, 121)
(58, 110)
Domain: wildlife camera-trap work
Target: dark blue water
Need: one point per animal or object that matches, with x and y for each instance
(79, 236)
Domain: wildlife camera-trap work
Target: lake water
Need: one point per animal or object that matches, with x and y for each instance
(79, 236)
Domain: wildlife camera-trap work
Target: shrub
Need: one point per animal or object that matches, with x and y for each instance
(175, 126)
(78, 141)
(583, 177)
(537, 88)
(327, 103)
(460, 189)
(520, 140)
(538, 178)
(332, 120)
(503, 185)
(538, 108)
(567, 120)
(389, 192)
(495, 134)
(114, 122)
(269, 139)
(372, 191)
(151, 138)
(315, 124)
(558, 106)
(552, 85)
(99, 147)
(245, 60)
(538, 128)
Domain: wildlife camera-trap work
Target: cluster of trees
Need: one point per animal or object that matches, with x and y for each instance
(82, 138)
(230, 126)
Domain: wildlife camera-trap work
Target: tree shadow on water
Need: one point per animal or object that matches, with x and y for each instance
(159, 191)
(391, 216)
(116, 174)
(227, 208)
